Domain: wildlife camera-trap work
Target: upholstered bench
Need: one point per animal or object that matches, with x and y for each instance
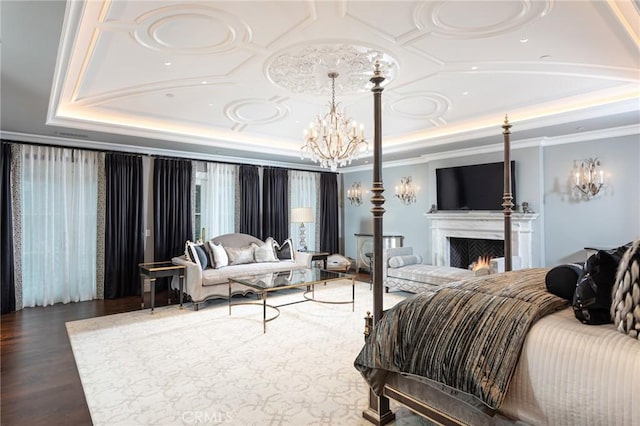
(402, 270)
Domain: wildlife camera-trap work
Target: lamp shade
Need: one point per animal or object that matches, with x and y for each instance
(302, 215)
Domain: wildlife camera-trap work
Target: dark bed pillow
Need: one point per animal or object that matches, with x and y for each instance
(562, 279)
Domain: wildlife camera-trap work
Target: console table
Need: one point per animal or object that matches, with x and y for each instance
(155, 270)
(364, 244)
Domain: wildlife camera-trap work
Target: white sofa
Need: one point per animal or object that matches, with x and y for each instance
(210, 283)
(417, 277)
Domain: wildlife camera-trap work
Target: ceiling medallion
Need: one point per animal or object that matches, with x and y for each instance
(303, 69)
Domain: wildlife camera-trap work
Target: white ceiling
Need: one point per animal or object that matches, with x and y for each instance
(244, 78)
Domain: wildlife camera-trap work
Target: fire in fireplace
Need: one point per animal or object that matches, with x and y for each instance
(465, 251)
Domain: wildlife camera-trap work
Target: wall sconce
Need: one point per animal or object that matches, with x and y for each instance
(589, 178)
(354, 194)
(406, 192)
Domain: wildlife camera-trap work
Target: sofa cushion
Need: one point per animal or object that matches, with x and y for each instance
(240, 256)
(399, 261)
(264, 252)
(284, 251)
(212, 277)
(220, 257)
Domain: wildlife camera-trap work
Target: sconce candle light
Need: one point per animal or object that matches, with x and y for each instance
(354, 194)
(589, 177)
(406, 192)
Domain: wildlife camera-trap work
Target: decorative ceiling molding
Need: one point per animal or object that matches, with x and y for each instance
(304, 68)
(257, 111)
(421, 105)
(191, 29)
(464, 20)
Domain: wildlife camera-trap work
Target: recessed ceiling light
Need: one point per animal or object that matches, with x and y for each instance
(474, 68)
(203, 82)
(524, 40)
(168, 63)
(210, 104)
(465, 93)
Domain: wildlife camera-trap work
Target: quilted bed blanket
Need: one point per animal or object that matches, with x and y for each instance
(466, 335)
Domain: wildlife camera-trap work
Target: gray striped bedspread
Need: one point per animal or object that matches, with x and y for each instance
(467, 335)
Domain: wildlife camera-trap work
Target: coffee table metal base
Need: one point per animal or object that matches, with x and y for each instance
(310, 290)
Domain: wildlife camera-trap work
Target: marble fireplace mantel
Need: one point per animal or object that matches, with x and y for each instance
(487, 225)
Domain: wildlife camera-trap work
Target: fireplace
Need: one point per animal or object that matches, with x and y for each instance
(464, 251)
(446, 226)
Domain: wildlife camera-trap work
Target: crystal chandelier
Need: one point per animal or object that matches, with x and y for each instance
(333, 140)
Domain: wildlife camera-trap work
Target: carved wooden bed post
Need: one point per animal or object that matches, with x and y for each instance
(507, 197)
(378, 411)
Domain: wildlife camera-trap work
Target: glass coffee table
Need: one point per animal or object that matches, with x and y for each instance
(263, 284)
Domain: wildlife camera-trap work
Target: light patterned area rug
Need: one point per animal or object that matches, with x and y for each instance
(181, 367)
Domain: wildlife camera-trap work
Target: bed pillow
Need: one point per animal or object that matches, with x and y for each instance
(220, 258)
(562, 280)
(265, 251)
(284, 251)
(399, 261)
(196, 253)
(240, 256)
(625, 304)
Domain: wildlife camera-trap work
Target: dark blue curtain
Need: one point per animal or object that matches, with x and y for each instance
(124, 244)
(329, 212)
(275, 204)
(172, 213)
(6, 228)
(249, 201)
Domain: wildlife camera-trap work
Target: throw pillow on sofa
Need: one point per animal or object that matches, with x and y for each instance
(197, 254)
(240, 256)
(284, 251)
(220, 257)
(264, 252)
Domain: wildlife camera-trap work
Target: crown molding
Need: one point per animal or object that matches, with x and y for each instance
(498, 147)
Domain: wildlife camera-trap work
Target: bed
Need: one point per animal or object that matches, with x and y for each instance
(536, 365)
(529, 361)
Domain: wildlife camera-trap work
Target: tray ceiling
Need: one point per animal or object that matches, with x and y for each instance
(246, 77)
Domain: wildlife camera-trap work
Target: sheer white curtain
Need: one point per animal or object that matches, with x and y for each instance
(303, 192)
(217, 192)
(59, 231)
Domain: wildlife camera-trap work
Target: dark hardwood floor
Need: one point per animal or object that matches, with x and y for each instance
(39, 380)
(38, 377)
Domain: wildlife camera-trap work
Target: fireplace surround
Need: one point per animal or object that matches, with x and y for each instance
(487, 225)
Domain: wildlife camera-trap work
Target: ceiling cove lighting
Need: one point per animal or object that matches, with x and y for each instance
(333, 140)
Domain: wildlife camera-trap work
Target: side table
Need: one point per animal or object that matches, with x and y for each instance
(321, 256)
(154, 270)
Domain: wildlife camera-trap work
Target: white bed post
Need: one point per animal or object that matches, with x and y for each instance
(378, 411)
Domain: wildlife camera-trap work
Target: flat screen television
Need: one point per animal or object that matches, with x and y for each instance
(475, 187)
